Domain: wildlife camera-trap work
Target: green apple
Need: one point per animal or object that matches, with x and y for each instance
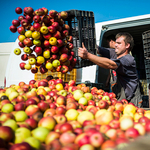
(37, 42)
(28, 34)
(17, 51)
(56, 63)
(83, 101)
(40, 133)
(72, 114)
(77, 94)
(33, 142)
(32, 61)
(7, 108)
(49, 66)
(36, 35)
(11, 123)
(62, 92)
(20, 116)
(13, 95)
(47, 122)
(40, 59)
(21, 38)
(47, 89)
(9, 90)
(84, 115)
(27, 50)
(46, 54)
(53, 41)
(27, 66)
(21, 134)
(44, 30)
(88, 96)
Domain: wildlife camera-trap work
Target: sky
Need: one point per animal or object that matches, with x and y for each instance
(104, 10)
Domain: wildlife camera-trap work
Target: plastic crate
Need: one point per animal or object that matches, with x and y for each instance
(65, 77)
(146, 47)
(82, 28)
(146, 44)
(90, 84)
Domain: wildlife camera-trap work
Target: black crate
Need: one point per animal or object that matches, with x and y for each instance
(90, 84)
(147, 69)
(82, 28)
(146, 47)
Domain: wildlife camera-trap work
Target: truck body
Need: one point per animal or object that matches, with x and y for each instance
(94, 74)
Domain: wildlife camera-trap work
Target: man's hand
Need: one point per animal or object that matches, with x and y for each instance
(82, 52)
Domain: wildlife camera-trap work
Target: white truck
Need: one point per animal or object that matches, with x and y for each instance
(134, 25)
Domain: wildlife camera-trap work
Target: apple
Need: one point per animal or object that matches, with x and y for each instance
(31, 109)
(7, 108)
(102, 104)
(104, 118)
(32, 61)
(21, 17)
(38, 50)
(132, 133)
(36, 18)
(27, 50)
(13, 29)
(126, 123)
(66, 127)
(37, 42)
(63, 14)
(21, 146)
(67, 138)
(82, 139)
(43, 106)
(28, 10)
(18, 10)
(51, 137)
(19, 106)
(21, 44)
(53, 41)
(46, 53)
(33, 142)
(71, 114)
(21, 38)
(63, 93)
(17, 51)
(47, 122)
(21, 134)
(36, 27)
(83, 101)
(40, 133)
(20, 116)
(24, 22)
(21, 30)
(6, 133)
(36, 35)
(16, 23)
(60, 110)
(85, 115)
(46, 43)
(46, 19)
(60, 118)
(40, 59)
(32, 123)
(54, 49)
(11, 123)
(44, 30)
(77, 94)
(59, 87)
(6, 116)
(108, 144)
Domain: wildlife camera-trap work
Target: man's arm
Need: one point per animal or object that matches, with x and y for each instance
(100, 61)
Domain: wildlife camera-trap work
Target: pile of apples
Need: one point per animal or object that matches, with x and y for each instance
(44, 40)
(51, 114)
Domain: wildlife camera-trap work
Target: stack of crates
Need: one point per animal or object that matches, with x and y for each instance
(146, 47)
(82, 29)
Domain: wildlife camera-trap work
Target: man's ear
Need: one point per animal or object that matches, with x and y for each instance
(127, 46)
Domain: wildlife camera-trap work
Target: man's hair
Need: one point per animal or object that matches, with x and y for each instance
(127, 39)
(111, 37)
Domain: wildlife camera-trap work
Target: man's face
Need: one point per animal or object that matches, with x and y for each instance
(120, 46)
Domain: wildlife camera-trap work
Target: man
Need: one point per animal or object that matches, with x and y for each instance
(125, 82)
